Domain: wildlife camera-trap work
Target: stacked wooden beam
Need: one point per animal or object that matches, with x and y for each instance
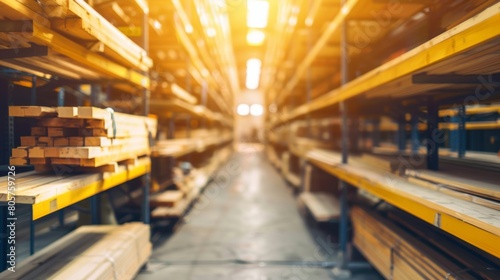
(477, 186)
(324, 207)
(398, 255)
(81, 136)
(174, 203)
(90, 252)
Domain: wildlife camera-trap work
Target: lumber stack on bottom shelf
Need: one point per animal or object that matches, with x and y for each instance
(81, 136)
(399, 255)
(90, 252)
(174, 203)
(324, 207)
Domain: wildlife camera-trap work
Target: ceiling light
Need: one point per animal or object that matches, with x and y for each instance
(255, 37)
(256, 110)
(345, 10)
(253, 73)
(243, 109)
(257, 14)
(254, 63)
(211, 32)
(188, 28)
(309, 21)
(156, 24)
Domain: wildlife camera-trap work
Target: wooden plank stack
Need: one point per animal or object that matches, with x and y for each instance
(398, 255)
(324, 207)
(81, 136)
(90, 252)
(478, 186)
(174, 203)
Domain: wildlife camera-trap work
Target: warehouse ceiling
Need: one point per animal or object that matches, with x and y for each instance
(214, 43)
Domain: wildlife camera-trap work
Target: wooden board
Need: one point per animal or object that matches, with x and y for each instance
(84, 136)
(479, 187)
(170, 212)
(395, 190)
(324, 207)
(397, 254)
(168, 198)
(90, 252)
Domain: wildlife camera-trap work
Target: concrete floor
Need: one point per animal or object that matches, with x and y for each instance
(246, 225)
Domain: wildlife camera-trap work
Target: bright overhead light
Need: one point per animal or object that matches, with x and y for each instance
(258, 11)
(252, 82)
(253, 73)
(254, 63)
(255, 37)
(256, 110)
(243, 109)
(156, 24)
(188, 28)
(345, 10)
(309, 21)
(211, 32)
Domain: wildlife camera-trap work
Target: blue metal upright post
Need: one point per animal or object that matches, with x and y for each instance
(32, 232)
(432, 135)
(454, 142)
(4, 234)
(376, 133)
(145, 204)
(60, 97)
(461, 133)
(415, 135)
(344, 215)
(95, 209)
(401, 134)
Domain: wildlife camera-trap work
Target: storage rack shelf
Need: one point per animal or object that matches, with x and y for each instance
(451, 53)
(98, 51)
(415, 93)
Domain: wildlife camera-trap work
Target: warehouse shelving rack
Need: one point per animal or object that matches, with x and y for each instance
(44, 46)
(442, 71)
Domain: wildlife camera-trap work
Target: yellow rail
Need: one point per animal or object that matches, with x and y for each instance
(449, 221)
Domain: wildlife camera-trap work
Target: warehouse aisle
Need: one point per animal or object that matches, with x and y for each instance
(247, 226)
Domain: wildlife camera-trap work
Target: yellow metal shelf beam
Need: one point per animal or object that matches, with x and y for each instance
(468, 35)
(48, 206)
(478, 237)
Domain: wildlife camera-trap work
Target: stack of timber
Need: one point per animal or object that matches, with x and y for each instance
(90, 252)
(323, 207)
(65, 188)
(174, 203)
(87, 137)
(184, 146)
(399, 255)
(468, 184)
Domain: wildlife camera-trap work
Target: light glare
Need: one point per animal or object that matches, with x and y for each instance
(255, 37)
(258, 11)
(256, 110)
(243, 109)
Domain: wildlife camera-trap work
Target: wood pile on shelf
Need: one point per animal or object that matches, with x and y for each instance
(399, 255)
(86, 137)
(324, 207)
(90, 252)
(479, 187)
(35, 188)
(183, 146)
(174, 203)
